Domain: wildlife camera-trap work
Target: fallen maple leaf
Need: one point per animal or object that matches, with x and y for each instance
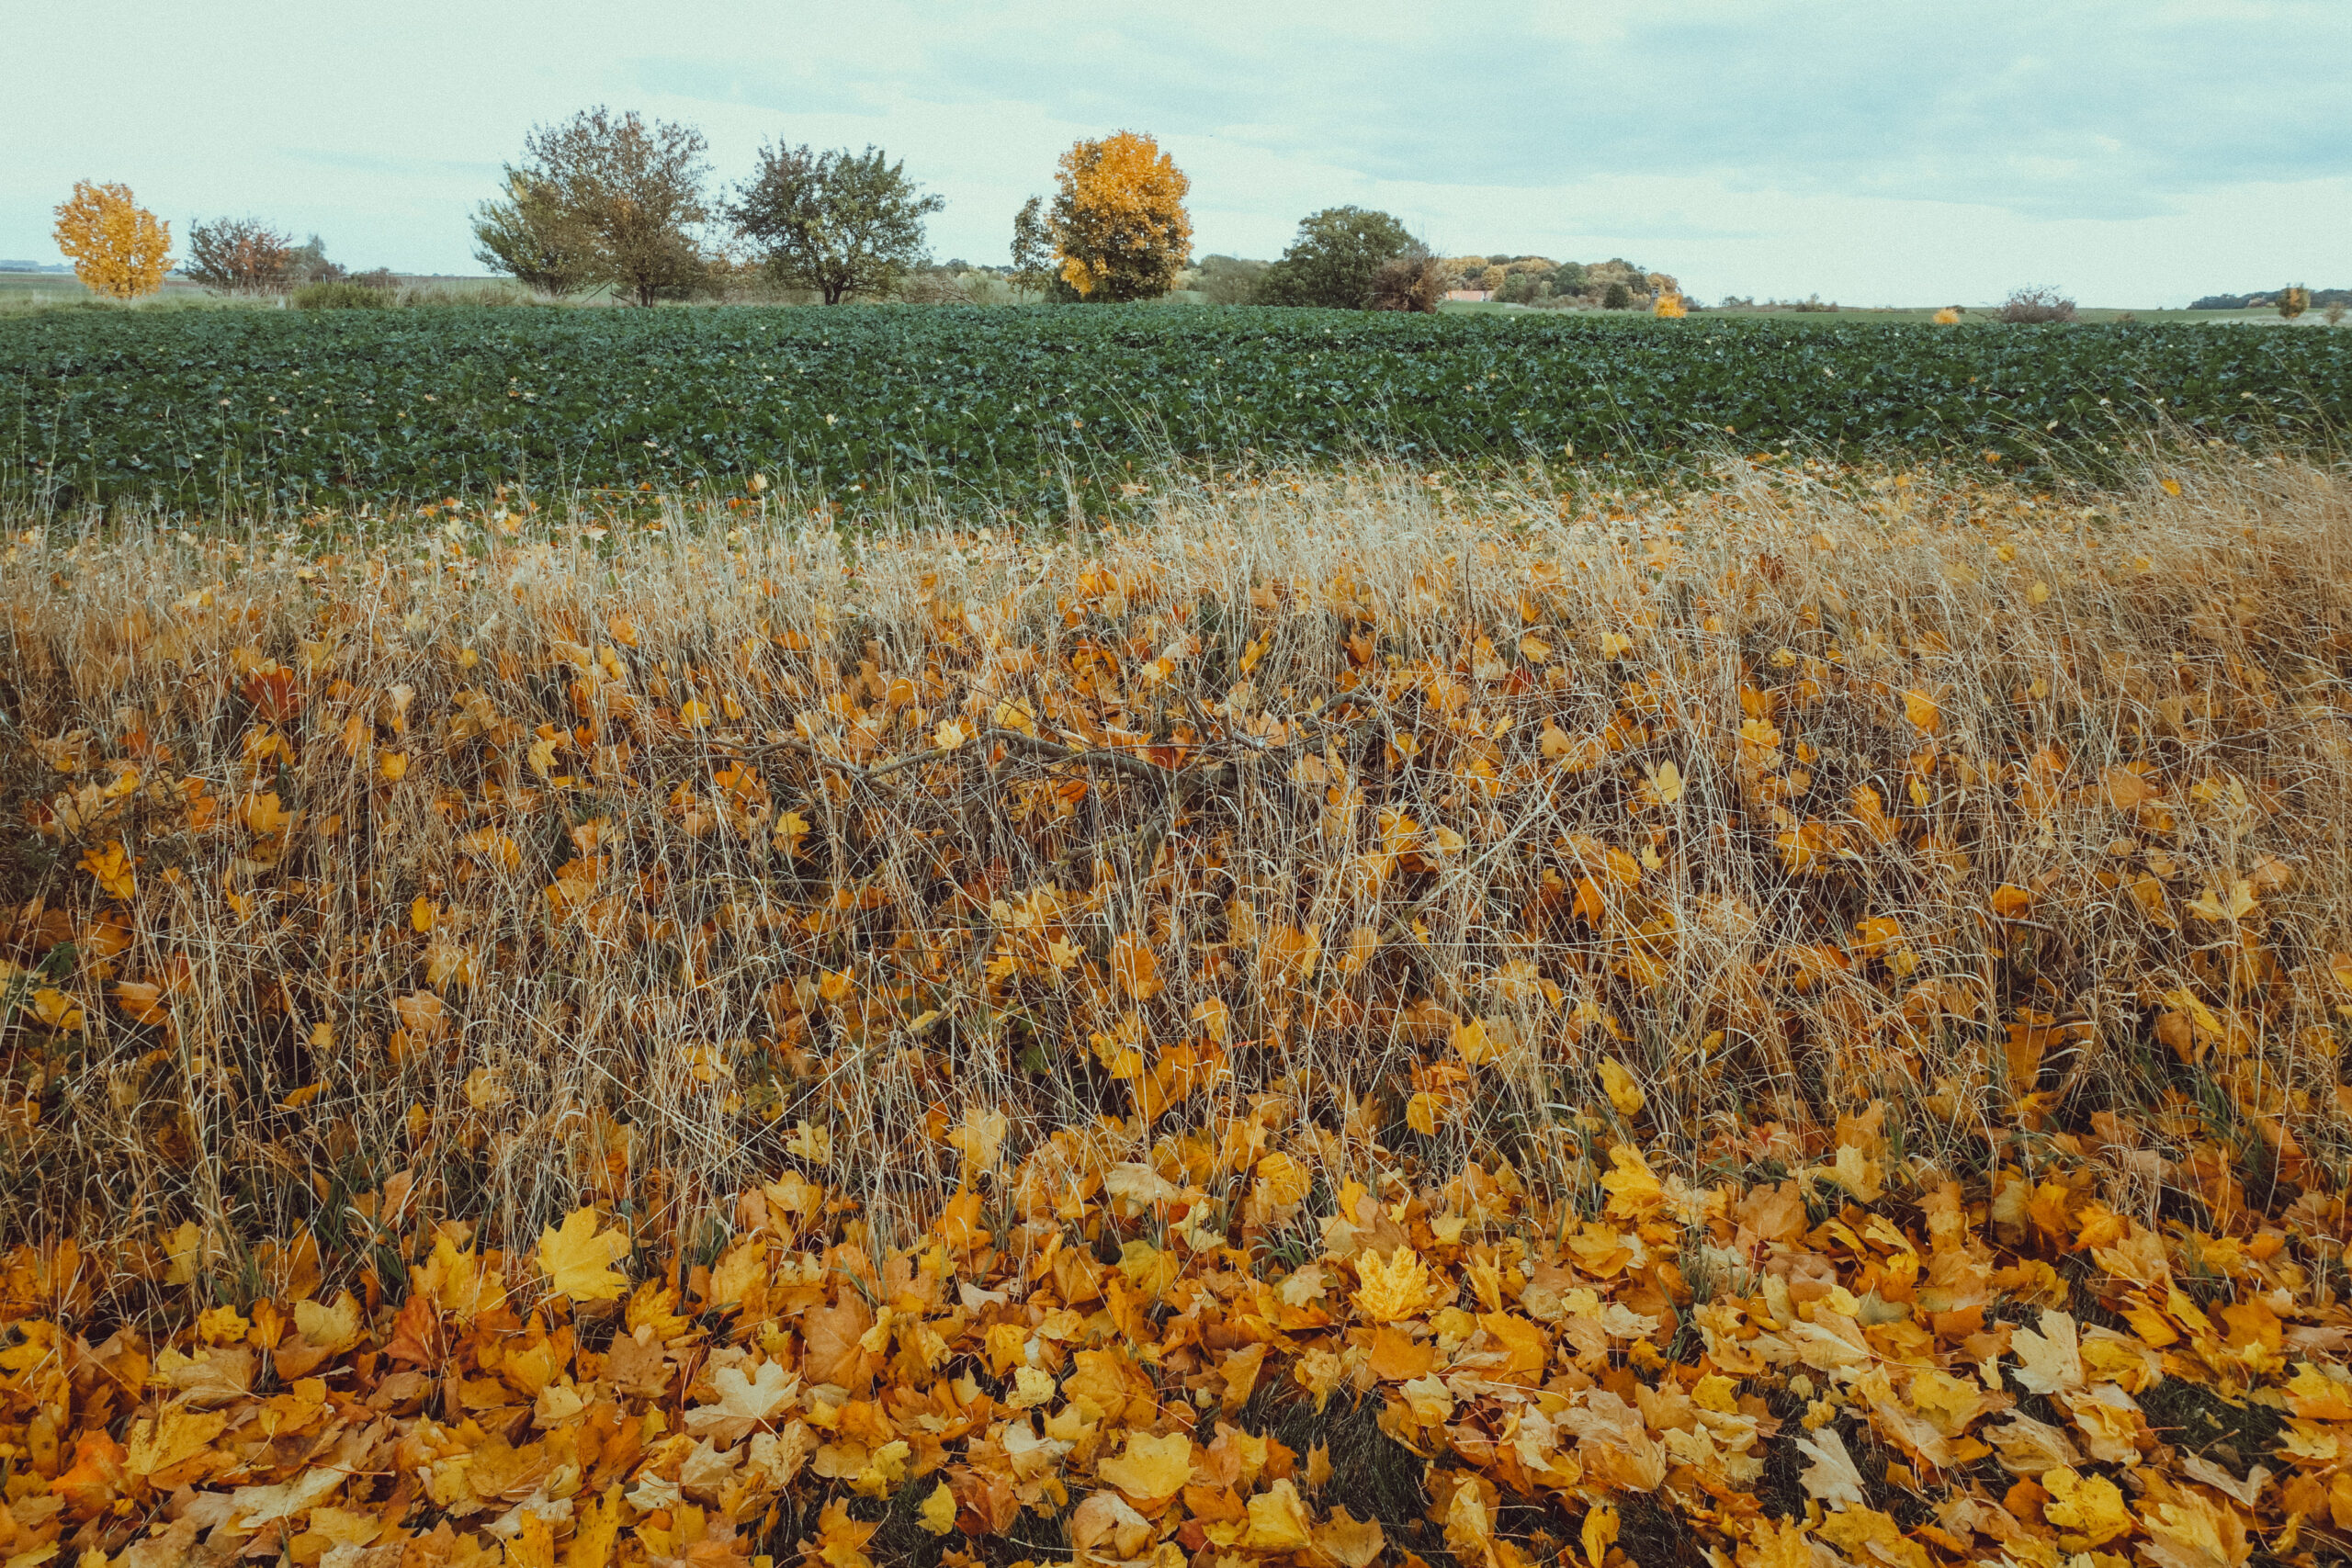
(2049, 1362)
(744, 1403)
(1278, 1521)
(1152, 1470)
(2192, 1531)
(578, 1259)
(1106, 1518)
(1831, 1477)
(937, 1514)
(1623, 1092)
(1598, 1533)
(2089, 1508)
(1394, 1289)
(1345, 1541)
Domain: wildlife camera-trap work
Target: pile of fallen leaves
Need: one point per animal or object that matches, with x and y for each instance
(1767, 1373)
(1797, 1023)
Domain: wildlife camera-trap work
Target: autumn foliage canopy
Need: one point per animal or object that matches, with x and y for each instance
(1119, 226)
(118, 247)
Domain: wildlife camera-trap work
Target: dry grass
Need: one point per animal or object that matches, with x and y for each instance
(679, 887)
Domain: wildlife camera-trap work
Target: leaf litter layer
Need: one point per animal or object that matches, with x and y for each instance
(1793, 1025)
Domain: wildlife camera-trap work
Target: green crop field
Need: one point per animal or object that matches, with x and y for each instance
(224, 411)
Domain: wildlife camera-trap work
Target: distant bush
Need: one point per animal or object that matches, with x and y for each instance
(344, 296)
(2294, 301)
(1618, 297)
(2033, 306)
(237, 255)
(1414, 281)
(417, 296)
(1338, 253)
(2319, 298)
(932, 286)
(1229, 280)
(1520, 288)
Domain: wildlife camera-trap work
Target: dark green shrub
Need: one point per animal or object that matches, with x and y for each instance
(1334, 259)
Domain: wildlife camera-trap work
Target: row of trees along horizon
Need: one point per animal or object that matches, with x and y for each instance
(609, 202)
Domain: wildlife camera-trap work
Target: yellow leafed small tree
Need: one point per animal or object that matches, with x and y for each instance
(1119, 226)
(118, 247)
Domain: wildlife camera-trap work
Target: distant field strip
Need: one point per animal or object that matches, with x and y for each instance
(233, 410)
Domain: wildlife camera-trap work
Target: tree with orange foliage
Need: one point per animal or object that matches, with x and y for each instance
(1119, 226)
(118, 247)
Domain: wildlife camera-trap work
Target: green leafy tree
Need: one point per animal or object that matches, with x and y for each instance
(612, 200)
(1033, 249)
(308, 263)
(526, 236)
(840, 222)
(1333, 261)
(1618, 296)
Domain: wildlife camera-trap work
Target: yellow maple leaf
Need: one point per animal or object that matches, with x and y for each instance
(173, 1438)
(2192, 1531)
(1623, 1092)
(1349, 1541)
(1278, 1520)
(578, 1259)
(1280, 1179)
(1134, 966)
(1152, 1470)
(980, 1135)
(1632, 1187)
(1394, 1289)
(2218, 907)
(1781, 1545)
(937, 1514)
(57, 1009)
(1921, 709)
(598, 1527)
(111, 867)
(2089, 1507)
(2050, 1360)
(1600, 1533)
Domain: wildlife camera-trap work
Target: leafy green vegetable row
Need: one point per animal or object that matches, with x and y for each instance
(215, 409)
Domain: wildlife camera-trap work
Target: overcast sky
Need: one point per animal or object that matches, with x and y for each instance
(1877, 152)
